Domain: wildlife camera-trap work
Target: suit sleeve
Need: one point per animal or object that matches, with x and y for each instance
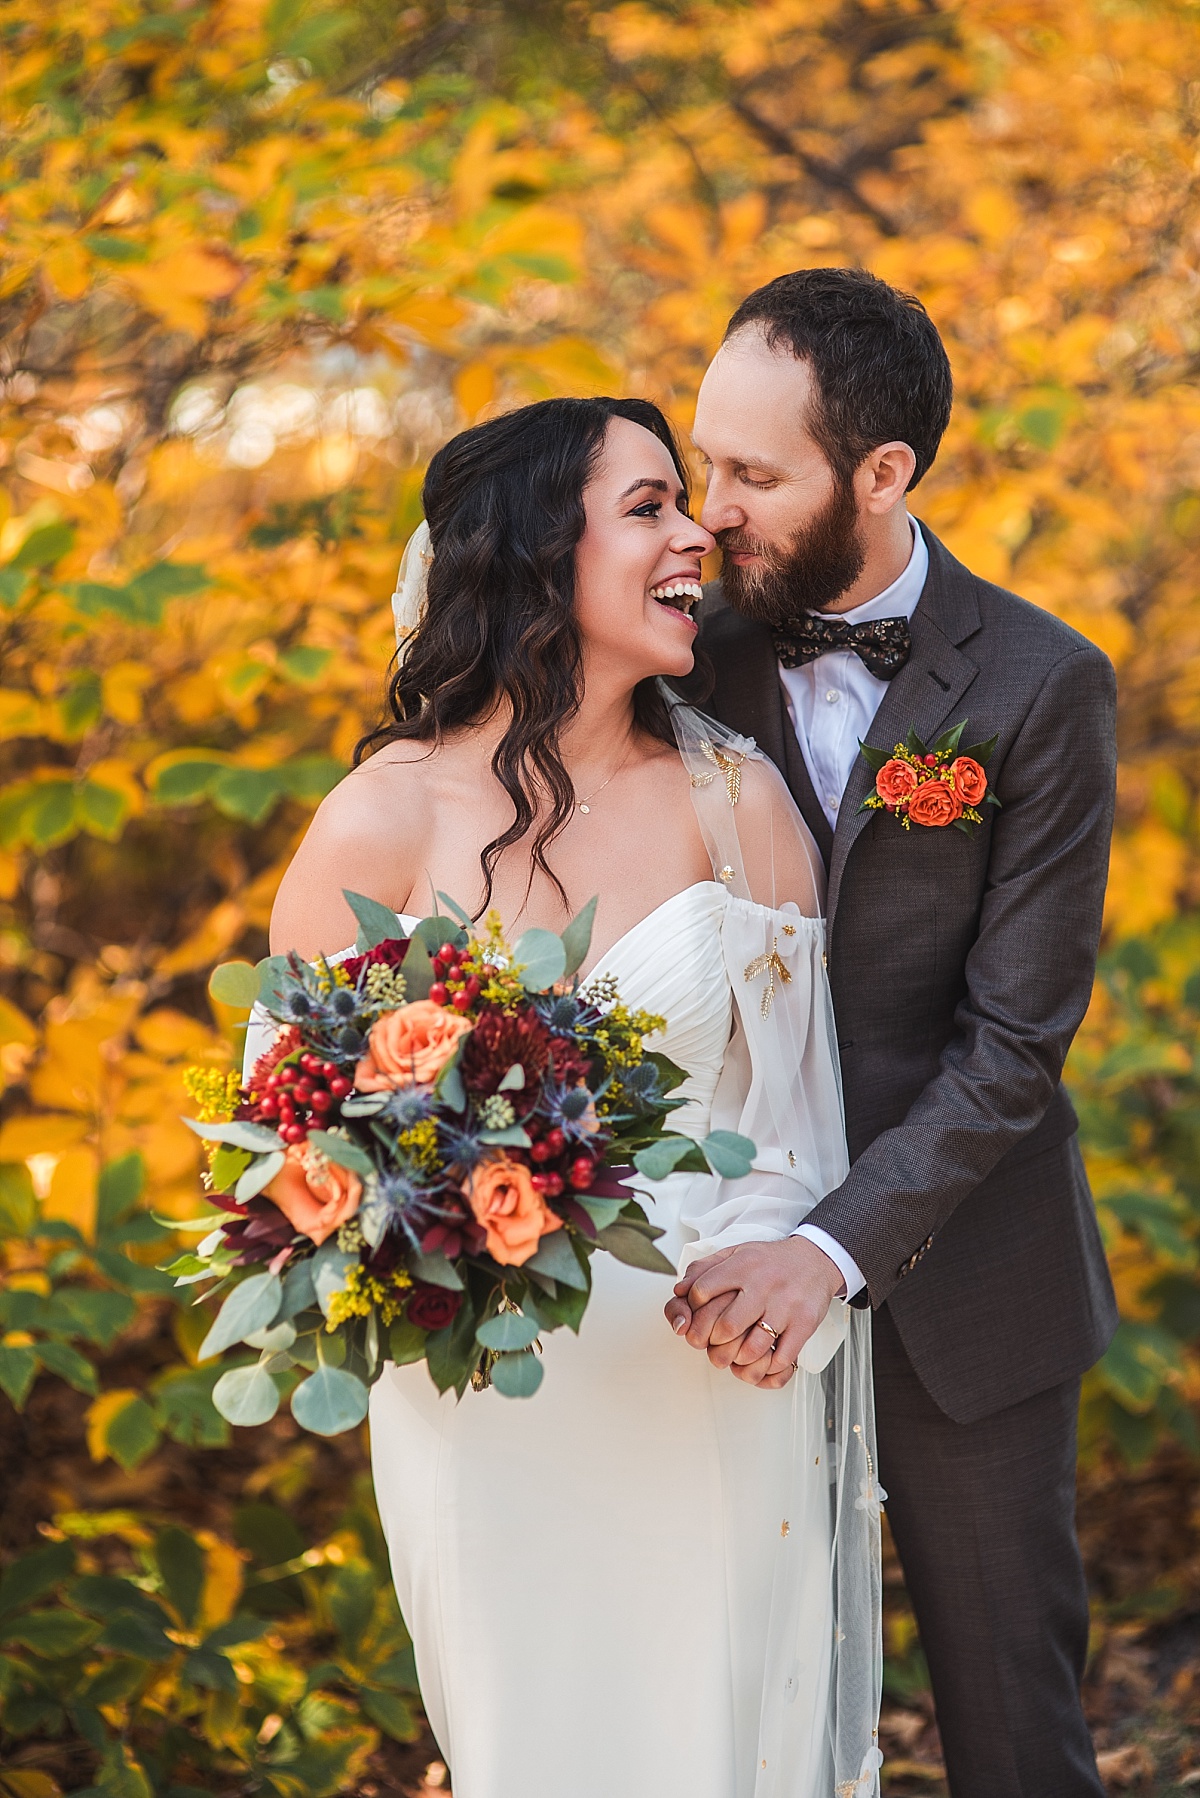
(1029, 978)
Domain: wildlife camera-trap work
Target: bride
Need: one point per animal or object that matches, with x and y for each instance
(652, 1579)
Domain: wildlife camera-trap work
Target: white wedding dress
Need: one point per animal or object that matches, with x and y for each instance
(651, 1580)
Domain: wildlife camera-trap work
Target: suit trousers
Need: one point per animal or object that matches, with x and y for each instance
(983, 1517)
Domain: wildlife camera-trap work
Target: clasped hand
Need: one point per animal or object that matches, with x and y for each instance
(721, 1303)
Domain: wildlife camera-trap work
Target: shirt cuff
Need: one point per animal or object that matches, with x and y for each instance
(846, 1265)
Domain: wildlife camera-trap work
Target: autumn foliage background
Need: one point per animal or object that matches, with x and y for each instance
(256, 262)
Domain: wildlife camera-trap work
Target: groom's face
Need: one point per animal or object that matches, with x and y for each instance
(786, 522)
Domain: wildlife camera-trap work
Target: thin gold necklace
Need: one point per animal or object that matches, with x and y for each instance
(584, 805)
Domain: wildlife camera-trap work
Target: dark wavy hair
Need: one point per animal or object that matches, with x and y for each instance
(504, 504)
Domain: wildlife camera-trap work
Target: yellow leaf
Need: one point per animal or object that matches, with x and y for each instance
(122, 687)
(742, 222)
(40, 1133)
(222, 927)
(993, 213)
(100, 1414)
(15, 1027)
(21, 714)
(70, 268)
(224, 1574)
(474, 388)
(1146, 871)
(28, 1782)
(72, 1196)
(173, 1035)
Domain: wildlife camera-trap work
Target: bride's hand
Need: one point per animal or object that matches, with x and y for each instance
(788, 1285)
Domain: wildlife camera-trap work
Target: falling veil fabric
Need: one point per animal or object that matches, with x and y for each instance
(790, 1106)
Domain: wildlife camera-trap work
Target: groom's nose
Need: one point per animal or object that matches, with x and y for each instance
(721, 510)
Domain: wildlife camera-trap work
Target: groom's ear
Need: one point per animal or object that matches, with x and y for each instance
(884, 477)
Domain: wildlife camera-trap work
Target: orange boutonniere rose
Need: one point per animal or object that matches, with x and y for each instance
(931, 786)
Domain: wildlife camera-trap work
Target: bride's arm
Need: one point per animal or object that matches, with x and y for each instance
(367, 836)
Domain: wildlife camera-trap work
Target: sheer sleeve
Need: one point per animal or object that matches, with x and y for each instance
(780, 1086)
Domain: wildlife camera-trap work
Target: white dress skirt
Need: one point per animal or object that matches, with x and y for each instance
(626, 1586)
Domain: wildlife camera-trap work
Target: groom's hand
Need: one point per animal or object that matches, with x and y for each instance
(788, 1284)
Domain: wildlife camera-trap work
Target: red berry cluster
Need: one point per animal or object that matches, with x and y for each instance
(300, 1095)
(457, 984)
(578, 1173)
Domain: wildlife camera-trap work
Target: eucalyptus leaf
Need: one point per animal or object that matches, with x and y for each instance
(364, 1105)
(540, 958)
(330, 1401)
(450, 1088)
(376, 923)
(241, 1134)
(557, 1259)
(514, 1080)
(508, 1331)
(418, 970)
(435, 931)
(251, 1306)
(635, 1248)
(602, 1212)
(271, 972)
(330, 1266)
(246, 1396)
(260, 1173)
(728, 1154)
(299, 1293)
(435, 1270)
(453, 906)
(660, 1158)
(234, 983)
(340, 1149)
(276, 1336)
(514, 1134)
(577, 937)
(518, 1376)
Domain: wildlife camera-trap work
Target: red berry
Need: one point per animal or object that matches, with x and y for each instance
(539, 1151)
(309, 1062)
(583, 1172)
(293, 1133)
(462, 1001)
(339, 1086)
(931, 761)
(303, 1091)
(488, 971)
(329, 1069)
(473, 988)
(268, 1106)
(272, 1082)
(287, 1110)
(439, 992)
(448, 953)
(550, 1185)
(288, 1076)
(555, 1141)
(321, 1100)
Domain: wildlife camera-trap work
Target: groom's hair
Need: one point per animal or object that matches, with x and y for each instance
(879, 367)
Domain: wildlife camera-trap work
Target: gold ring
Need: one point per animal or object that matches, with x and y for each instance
(764, 1325)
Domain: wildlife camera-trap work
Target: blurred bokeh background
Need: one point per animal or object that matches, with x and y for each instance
(258, 259)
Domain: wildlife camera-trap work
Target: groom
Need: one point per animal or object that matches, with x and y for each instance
(961, 965)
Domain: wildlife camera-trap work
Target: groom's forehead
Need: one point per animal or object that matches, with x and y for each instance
(754, 401)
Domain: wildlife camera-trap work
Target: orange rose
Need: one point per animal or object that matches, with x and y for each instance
(935, 803)
(895, 782)
(970, 781)
(511, 1209)
(409, 1046)
(316, 1197)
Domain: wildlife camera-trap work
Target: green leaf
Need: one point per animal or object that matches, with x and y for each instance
(246, 1396)
(436, 1270)
(260, 1173)
(299, 1291)
(948, 742)
(453, 906)
(514, 1134)
(874, 758)
(634, 1248)
(662, 1156)
(241, 1134)
(131, 1632)
(44, 546)
(248, 794)
(303, 664)
(436, 930)
(132, 1275)
(49, 816)
(69, 1365)
(35, 1574)
(98, 1316)
(204, 1667)
(309, 777)
(557, 1259)
(180, 1561)
(329, 1402)
(982, 752)
(53, 1634)
(406, 1343)
(452, 1354)
(377, 923)
(330, 1265)
(514, 1080)
(390, 1713)
(251, 1306)
(234, 983)
(350, 1599)
(601, 1211)
(13, 583)
(100, 810)
(184, 782)
(119, 1189)
(728, 1154)
(184, 1399)
(577, 937)
(340, 1149)
(418, 970)
(18, 1370)
(271, 971)
(518, 1376)
(18, 1203)
(540, 958)
(114, 1683)
(132, 1434)
(506, 1332)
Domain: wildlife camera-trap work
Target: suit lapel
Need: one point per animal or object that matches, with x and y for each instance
(923, 695)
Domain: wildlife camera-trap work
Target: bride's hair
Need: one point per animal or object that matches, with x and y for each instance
(504, 503)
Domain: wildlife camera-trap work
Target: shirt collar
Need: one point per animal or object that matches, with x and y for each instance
(900, 599)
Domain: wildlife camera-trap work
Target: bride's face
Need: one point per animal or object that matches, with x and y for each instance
(637, 565)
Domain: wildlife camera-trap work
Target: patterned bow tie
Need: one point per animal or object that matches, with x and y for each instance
(883, 645)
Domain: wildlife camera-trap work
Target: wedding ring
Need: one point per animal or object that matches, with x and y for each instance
(764, 1325)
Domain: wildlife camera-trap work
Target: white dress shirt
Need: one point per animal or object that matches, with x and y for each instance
(832, 702)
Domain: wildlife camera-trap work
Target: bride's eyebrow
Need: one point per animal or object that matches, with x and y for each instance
(658, 487)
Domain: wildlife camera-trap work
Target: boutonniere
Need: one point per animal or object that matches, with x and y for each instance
(931, 785)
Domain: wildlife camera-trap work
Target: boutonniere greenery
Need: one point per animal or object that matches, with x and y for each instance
(931, 785)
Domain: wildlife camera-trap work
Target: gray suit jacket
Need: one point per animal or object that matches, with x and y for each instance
(961, 968)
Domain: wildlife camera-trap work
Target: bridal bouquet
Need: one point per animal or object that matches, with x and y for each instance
(423, 1162)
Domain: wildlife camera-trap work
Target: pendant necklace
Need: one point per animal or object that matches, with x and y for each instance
(584, 805)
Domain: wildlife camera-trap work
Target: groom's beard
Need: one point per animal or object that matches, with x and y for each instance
(813, 569)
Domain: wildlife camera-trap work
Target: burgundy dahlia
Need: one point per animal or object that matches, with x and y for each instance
(501, 1040)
